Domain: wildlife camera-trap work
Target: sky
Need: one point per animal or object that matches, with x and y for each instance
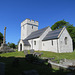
(46, 12)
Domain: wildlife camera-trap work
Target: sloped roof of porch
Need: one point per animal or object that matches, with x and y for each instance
(26, 43)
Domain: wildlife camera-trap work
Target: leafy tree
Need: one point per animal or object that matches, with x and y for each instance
(71, 31)
(60, 24)
(1, 38)
(16, 46)
(8, 43)
(11, 45)
(70, 28)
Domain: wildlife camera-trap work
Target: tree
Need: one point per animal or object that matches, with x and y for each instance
(1, 38)
(11, 45)
(70, 29)
(60, 24)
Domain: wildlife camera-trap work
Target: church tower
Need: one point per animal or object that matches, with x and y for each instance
(27, 27)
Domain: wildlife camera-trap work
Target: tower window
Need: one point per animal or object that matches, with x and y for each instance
(65, 40)
(52, 42)
(34, 42)
(32, 27)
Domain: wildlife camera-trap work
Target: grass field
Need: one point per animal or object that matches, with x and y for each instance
(42, 69)
(45, 54)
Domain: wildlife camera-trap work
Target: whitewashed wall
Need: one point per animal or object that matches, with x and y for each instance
(26, 27)
(42, 37)
(30, 30)
(27, 47)
(23, 46)
(26, 30)
(62, 47)
(47, 45)
(37, 46)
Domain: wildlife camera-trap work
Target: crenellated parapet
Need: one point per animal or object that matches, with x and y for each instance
(28, 21)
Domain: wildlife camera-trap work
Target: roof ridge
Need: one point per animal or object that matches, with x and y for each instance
(56, 30)
(61, 31)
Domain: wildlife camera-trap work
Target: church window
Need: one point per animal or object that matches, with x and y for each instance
(34, 42)
(32, 27)
(65, 40)
(20, 47)
(52, 42)
(43, 44)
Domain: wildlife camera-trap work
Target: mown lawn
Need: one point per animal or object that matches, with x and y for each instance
(13, 54)
(42, 69)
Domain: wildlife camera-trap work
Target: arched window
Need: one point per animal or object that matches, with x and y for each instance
(32, 27)
(52, 42)
(20, 47)
(34, 42)
(65, 40)
(43, 44)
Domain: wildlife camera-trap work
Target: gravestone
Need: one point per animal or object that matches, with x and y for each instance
(2, 68)
(4, 48)
(25, 52)
(67, 62)
(32, 51)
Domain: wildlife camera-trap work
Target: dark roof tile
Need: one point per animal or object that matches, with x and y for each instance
(52, 34)
(26, 43)
(36, 34)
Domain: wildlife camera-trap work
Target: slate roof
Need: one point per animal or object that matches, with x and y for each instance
(52, 35)
(36, 34)
(26, 43)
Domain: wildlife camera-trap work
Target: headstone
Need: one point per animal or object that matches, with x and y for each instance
(25, 52)
(37, 54)
(31, 51)
(2, 68)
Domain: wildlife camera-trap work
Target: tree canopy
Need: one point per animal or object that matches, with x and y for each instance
(11, 45)
(60, 24)
(70, 29)
(1, 38)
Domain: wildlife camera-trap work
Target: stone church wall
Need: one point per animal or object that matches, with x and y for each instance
(48, 46)
(65, 47)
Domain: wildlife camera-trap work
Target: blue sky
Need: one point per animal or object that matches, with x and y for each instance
(47, 12)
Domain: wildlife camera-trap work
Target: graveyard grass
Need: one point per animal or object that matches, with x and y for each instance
(43, 69)
(57, 56)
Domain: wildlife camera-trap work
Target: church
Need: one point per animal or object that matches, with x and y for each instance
(45, 39)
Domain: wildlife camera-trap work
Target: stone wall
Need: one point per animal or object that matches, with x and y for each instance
(65, 47)
(47, 45)
(27, 27)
